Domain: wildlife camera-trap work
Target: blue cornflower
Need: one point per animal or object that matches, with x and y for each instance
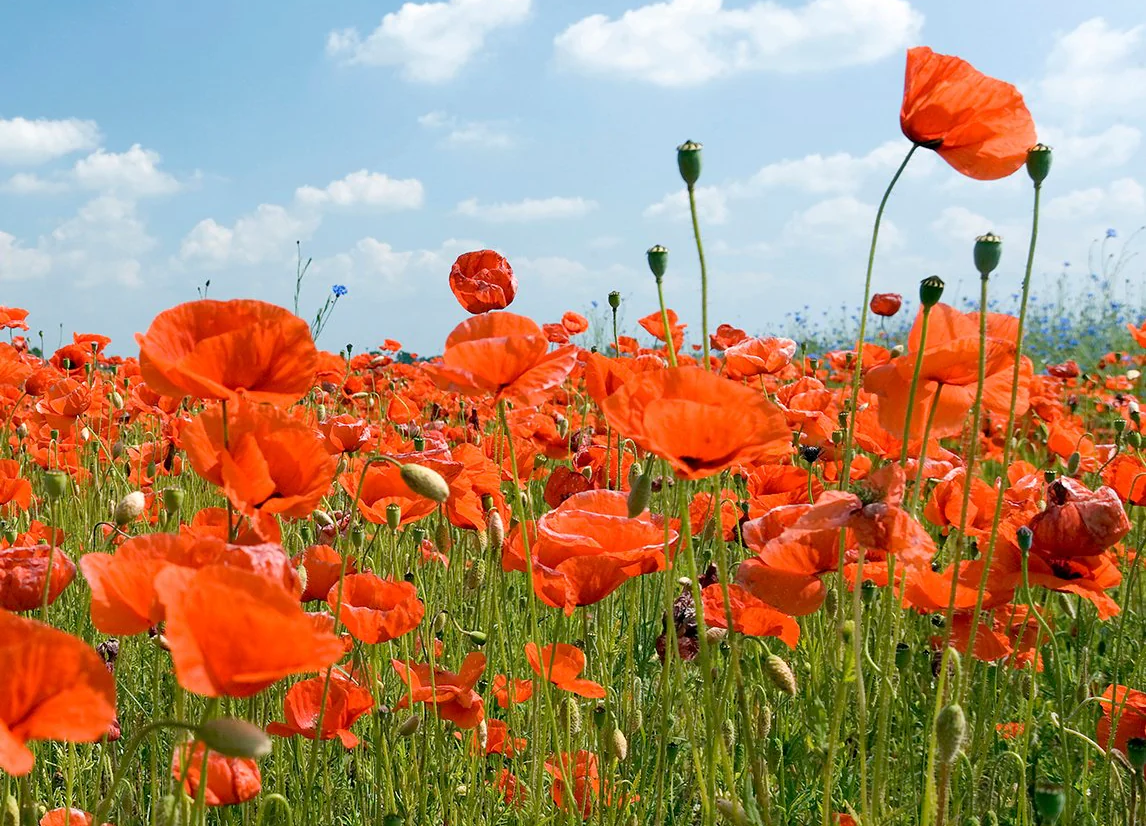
(339, 290)
(1110, 233)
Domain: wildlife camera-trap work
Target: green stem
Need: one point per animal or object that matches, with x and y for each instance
(924, 323)
(670, 345)
(703, 273)
(126, 762)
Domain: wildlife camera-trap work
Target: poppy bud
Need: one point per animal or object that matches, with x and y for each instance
(658, 257)
(495, 529)
(409, 725)
(1025, 537)
(640, 494)
(988, 251)
(733, 812)
(475, 575)
(950, 729)
(117, 448)
(780, 674)
(1039, 159)
(688, 161)
(478, 638)
(618, 745)
(1136, 753)
(931, 290)
(764, 722)
(715, 635)
(442, 537)
(425, 482)
(886, 304)
(847, 631)
(902, 655)
(129, 508)
(393, 516)
(232, 737)
(570, 716)
(1050, 800)
(1072, 463)
(614, 299)
(439, 623)
(173, 500)
(323, 519)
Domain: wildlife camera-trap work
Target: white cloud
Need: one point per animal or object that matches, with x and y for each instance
(27, 142)
(711, 205)
(843, 219)
(961, 225)
(431, 42)
(1122, 196)
(1096, 67)
(530, 209)
(102, 244)
(267, 234)
(134, 173)
(372, 262)
(484, 134)
(689, 42)
(364, 188)
(20, 263)
(1110, 148)
(28, 183)
(823, 174)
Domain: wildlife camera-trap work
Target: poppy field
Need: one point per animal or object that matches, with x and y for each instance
(534, 581)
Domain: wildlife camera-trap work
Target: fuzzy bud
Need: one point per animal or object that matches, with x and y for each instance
(495, 529)
(129, 508)
(950, 730)
(409, 726)
(780, 673)
(618, 744)
(732, 811)
(640, 494)
(425, 482)
(232, 737)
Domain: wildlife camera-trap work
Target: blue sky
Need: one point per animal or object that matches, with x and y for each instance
(146, 147)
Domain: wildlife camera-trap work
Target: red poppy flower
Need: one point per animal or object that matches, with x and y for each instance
(13, 370)
(699, 422)
(503, 355)
(750, 616)
(508, 693)
(886, 304)
(229, 349)
(322, 564)
(377, 610)
(382, 487)
(574, 323)
(67, 817)
(726, 336)
(577, 785)
(23, 572)
(233, 633)
(230, 780)
(482, 281)
(13, 318)
(1124, 709)
(497, 740)
(346, 701)
(654, 324)
(452, 695)
(55, 688)
(562, 665)
(344, 433)
(979, 125)
(758, 356)
(1078, 521)
(1125, 473)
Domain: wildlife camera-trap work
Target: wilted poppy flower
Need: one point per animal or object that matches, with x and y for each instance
(233, 633)
(54, 688)
(230, 780)
(562, 665)
(229, 349)
(267, 462)
(346, 701)
(699, 422)
(452, 695)
(513, 791)
(1078, 521)
(979, 125)
(945, 506)
(886, 304)
(376, 610)
(482, 281)
(23, 572)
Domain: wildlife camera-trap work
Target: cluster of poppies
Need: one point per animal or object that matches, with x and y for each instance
(574, 470)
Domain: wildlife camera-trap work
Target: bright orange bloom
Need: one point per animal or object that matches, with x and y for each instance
(346, 701)
(758, 356)
(67, 817)
(230, 780)
(13, 318)
(945, 506)
(699, 422)
(750, 615)
(562, 665)
(23, 572)
(979, 125)
(654, 324)
(233, 633)
(13, 369)
(574, 323)
(452, 695)
(507, 694)
(1125, 473)
(344, 433)
(229, 349)
(1124, 709)
(376, 610)
(322, 564)
(54, 688)
(482, 281)
(383, 486)
(503, 355)
(497, 740)
(577, 784)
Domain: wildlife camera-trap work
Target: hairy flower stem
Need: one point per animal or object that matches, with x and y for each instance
(923, 325)
(703, 274)
(1008, 437)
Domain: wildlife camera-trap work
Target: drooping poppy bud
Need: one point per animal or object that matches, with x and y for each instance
(1039, 159)
(950, 730)
(886, 304)
(931, 290)
(987, 253)
(425, 482)
(658, 261)
(129, 508)
(688, 161)
(780, 673)
(232, 737)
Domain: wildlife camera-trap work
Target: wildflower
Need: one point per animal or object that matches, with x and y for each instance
(339, 290)
(452, 695)
(376, 610)
(230, 780)
(482, 281)
(346, 701)
(886, 304)
(24, 572)
(1078, 521)
(562, 665)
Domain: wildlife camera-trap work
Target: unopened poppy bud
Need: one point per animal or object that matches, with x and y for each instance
(55, 484)
(715, 635)
(478, 638)
(688, 161)
(732, 811)
(475, 575)
(173, 500)
(570, 716)
(409, 725)
(425, 482)
(614, 299)
(232, 737)
(323, 519)
(393, 516)
(495, 529)
(115, 399)
(117, 448)
(780, 673)
(902, 655)
(764, 722)
(442, 537)
(22, 430)
(640, 494)
(1039, 159)
(658, 257)
(987, 253)
(950, 730)
(847, 631)
(931, 290)
(1050, 800)
(129, 508)
(439, 623)
(618, 744)
(1072, 463)
(1025, 537)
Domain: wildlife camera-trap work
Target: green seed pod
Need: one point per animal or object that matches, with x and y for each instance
(988, 252)
(780, 673)
(618, 744)
(688, 161)
(1039, 159)
(950, 730)
(614, 299)
(640, 494)
(902, 655)
(232, 737)
(173, 500)
(658, 258)
(1134, 439)
(425, 482)
(55, 484)
(1050, 800)
(419, 443)
(931, 290)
